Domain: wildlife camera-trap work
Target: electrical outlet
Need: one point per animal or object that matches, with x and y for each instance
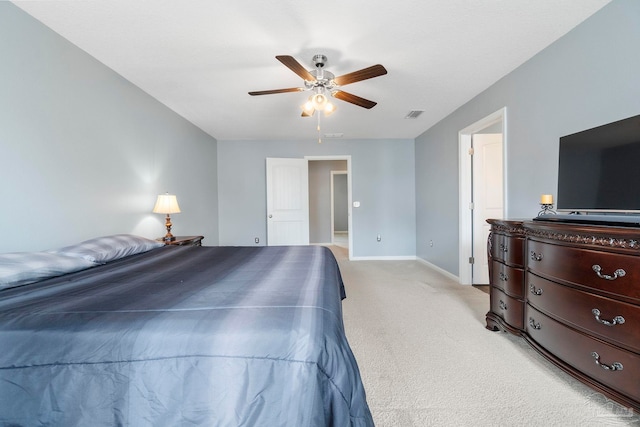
(431, 243)
(257, 240)
(378, 238)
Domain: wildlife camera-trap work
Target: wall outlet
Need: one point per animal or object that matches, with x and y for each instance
(378, 238)
(257, 240)
(431, 243)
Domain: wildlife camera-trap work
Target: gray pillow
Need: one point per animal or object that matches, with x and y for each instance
(109, 248)
(21, 268)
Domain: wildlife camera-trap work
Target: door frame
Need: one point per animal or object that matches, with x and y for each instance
(465, 191)
(349, 196)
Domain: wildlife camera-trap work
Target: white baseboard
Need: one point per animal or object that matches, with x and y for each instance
(439, 270)
(384, 258)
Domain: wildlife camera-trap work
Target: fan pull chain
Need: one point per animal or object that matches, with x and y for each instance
(319, 138)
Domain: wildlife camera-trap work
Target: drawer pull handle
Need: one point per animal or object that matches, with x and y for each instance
(618, 320)
(615, 366)
(533, 289)
(536, 257)
(503, 247)
(503, 305)
(533, 323)
(503, 277)
(618, 273)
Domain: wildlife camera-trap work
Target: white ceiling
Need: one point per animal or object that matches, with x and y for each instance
(201, 57)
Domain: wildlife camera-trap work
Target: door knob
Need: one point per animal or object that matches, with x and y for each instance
(270, 216)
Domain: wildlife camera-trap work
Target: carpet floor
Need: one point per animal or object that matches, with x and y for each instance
(426, 358)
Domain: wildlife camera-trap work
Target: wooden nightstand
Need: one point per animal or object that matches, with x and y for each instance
(184, 241)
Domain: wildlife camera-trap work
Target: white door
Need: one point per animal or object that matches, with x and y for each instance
(487, 197)
(287, 202)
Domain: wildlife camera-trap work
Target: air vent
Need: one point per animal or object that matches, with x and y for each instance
(333, 135)
(413, 114)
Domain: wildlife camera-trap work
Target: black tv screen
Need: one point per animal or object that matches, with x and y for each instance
(599, 169)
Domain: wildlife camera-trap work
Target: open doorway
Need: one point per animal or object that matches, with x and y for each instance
(339, 209)
(482, 168)
(322, 218)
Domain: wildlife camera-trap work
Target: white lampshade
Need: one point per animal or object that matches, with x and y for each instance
(329, 108)
(166, 204)
(307, 108)
(319, 101)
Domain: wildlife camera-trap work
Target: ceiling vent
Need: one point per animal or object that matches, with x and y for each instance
(413, 114)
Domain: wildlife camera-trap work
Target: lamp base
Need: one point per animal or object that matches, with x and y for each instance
(168, 237)
(547, 209)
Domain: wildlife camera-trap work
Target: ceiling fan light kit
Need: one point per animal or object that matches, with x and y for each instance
(317, 102)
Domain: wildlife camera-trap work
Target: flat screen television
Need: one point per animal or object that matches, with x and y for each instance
(599, 169)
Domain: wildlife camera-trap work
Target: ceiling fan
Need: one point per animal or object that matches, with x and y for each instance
(323, 82)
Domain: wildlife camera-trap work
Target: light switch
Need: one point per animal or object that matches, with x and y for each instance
(356, 204)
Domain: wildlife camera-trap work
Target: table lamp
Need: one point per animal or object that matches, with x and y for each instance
(167, 204)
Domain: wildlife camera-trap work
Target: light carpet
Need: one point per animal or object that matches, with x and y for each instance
(426, 358)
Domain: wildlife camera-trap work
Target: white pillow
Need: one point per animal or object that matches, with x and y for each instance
(109, 248)
(20, 268)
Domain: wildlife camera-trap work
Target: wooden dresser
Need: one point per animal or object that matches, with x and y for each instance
(506, 248)
(573, 292)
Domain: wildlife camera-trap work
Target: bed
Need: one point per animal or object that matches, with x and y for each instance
(180, 336)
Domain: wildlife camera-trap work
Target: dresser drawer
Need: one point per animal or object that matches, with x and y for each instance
(610, 273)
(611, 320)
(605, 363)
(508, 279)
(509, 249)
(510, 309)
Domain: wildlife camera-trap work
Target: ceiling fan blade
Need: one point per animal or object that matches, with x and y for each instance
(271, 92)
(296, 67)
(348, 97)
(307, 113)
(364, 74)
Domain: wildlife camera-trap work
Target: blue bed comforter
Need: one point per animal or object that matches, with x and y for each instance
(181, 336)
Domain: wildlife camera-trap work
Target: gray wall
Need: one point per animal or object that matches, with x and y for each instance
(84, 152)
(320, 198)
(383, 180)
(587, 78)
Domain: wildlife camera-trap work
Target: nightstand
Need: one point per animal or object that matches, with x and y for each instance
(184, 241)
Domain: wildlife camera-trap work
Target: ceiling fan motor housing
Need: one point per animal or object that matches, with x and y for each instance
(319, 60)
